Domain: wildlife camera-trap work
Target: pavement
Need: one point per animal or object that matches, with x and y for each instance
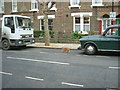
(56, 45)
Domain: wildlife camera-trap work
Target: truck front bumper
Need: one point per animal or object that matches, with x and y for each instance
(22, 42)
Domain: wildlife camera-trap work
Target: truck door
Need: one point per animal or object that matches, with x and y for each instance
(9, 22)
(8, 27)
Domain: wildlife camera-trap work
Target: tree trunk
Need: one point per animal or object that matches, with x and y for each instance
(47, 36)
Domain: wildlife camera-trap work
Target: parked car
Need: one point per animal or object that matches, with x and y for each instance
(108, 41)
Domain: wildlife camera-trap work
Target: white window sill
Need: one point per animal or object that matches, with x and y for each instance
(53, 9)
(34, 10)
(14, 11)
(97, 5)
(1, 11)
(74, 6)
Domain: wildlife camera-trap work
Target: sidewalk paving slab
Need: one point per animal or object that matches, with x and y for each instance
(56, 45)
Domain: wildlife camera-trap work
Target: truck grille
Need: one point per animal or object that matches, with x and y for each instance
(26, 36)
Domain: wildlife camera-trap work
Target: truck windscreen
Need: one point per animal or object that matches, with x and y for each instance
(23, 22)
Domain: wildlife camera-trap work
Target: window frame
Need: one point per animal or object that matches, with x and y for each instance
(77, 24)
(86, 24)
(81, 15)
(14, 6)
(2, 6)
(49, 25)
(54, 7)
(33, 4)
(97, 4)
(73, 5)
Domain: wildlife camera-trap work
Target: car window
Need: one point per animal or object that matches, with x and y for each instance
(112, 32)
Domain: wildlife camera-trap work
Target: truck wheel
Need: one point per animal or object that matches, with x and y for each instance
(5, 44)
(90, 49)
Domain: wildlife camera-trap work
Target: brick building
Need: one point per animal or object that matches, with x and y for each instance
(67, 17)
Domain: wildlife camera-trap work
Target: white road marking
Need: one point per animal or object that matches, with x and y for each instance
(70, 84)
(17, 51)
(78, 55)
(33, 78)
(6, 73)
(85, 55)
(114, 67)
(44, 52)
(102, 57)
(43, 61)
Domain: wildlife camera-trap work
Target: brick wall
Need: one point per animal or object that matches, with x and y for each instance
(63, 22)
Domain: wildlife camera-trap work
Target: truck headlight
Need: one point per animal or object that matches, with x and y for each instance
(33, 41)
(20, 42)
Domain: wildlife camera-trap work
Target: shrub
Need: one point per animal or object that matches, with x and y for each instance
(51, 33)
(91, 32)
(77, 35)
(40, 33)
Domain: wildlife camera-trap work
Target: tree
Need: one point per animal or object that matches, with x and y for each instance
(46, 7)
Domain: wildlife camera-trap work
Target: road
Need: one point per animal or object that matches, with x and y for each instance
(52, 68)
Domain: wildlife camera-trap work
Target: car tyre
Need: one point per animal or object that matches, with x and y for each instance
(90, 49)
(5, 44)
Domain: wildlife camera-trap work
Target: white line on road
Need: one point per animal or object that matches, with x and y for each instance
(70, 84)
(43, 61)
(102, 56)
(85, 55)
(17, 51)
(33, 78)
(114, 67)
(6, 73)
(78, 55)
(44, 52)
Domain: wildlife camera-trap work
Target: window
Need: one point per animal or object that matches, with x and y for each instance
(52, 5)
(14, 5)
(23, 22)
(86, 24)
(34, 5)
(9, 22)
(97, 2)
(1, 6)
(50, 24)
(74, 3)
(105, 24)
(77, 24)
(41, 24)
(112, 32)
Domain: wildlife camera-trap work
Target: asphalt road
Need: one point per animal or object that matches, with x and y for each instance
(52, 68)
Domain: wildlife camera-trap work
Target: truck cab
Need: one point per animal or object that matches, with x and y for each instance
(16, 30)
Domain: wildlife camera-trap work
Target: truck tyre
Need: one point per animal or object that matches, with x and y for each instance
(5, 44)
(90, 49)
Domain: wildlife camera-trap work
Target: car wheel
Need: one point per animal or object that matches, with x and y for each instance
(5, 44)
(90, 49)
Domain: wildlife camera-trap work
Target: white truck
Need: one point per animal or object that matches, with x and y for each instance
(16, 30)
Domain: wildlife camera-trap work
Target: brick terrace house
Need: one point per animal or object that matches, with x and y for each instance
(67, 17)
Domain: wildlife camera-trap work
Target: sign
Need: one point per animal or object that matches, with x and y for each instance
(112, 14)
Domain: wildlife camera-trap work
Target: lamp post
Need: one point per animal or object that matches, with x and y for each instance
(112, 5)
(113, 15)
